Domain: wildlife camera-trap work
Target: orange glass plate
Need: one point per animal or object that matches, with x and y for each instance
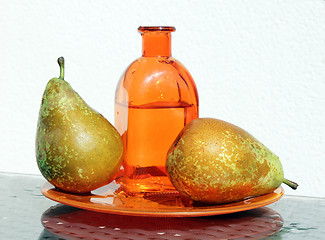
(112, 199)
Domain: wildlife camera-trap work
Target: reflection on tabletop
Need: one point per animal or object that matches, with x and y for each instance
(64, 222)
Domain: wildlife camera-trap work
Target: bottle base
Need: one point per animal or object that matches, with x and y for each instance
(147, 185)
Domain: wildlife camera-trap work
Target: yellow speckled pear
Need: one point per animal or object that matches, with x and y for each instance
(77, 149)
(213, 161)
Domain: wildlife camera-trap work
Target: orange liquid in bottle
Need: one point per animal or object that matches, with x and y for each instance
(151, 131)
(155, 98)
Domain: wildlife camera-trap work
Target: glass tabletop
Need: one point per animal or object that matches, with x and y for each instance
(26, 214)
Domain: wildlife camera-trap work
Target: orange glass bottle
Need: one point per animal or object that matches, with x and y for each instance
(154, 99)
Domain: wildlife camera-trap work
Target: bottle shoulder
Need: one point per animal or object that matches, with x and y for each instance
(151, 79)
(154, 64)
(157, 71)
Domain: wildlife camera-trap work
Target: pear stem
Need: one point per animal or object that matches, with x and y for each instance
(61, 64)
(291, 184)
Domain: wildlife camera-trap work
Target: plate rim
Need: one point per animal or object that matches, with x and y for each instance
(209, 210)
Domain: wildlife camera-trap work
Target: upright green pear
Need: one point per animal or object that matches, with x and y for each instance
(77, 149)
(213, 161)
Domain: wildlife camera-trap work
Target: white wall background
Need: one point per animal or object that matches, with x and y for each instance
(257, 64)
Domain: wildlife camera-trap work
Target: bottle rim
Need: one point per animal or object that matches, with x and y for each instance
(156, 29)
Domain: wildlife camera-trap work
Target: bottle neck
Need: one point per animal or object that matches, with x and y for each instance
(156, 44)
(156, 41)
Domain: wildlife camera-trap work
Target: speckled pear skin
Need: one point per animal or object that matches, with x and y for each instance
(215, 162)
(77, 149)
